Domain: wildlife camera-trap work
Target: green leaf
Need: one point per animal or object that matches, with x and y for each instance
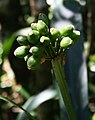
(7, 45)
(33, 102)
(10, 101)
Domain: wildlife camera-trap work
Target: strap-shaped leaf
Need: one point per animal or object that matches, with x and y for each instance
(36, 100)
(10, 101)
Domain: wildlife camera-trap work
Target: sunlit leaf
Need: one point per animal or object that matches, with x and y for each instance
(37, 100)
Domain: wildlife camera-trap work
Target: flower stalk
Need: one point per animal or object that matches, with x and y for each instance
(60, 77)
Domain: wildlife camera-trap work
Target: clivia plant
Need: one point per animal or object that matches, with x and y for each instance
(43, 43)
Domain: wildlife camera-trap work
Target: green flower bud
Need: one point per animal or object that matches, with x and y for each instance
(66, 42)
(21, 51)
(75, 36)
(45, 40)
(55, 33)
(22, 40)
(44, 18)
(35, 50)
(42, 27)
(27, 56)
(33, 36)
(33, 62)
(66, 31)
(34, 26)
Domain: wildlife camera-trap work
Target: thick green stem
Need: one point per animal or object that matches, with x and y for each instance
(59, 74)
